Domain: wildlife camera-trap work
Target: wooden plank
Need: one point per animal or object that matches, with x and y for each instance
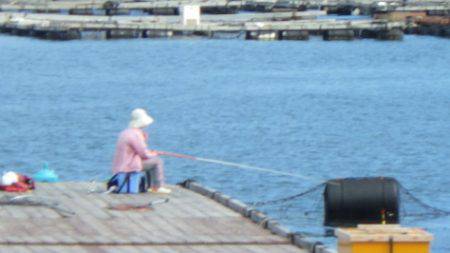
(46, 192)
(15, 249)
(83, 204)
(149, 231)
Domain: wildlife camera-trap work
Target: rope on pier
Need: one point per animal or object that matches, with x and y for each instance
(30, 200)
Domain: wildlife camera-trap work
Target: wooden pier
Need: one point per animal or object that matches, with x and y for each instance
(196, 219)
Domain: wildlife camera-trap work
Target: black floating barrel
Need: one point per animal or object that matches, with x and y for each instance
(352, 201)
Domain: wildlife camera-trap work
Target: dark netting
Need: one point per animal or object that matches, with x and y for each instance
(412, 208)
(306, 210)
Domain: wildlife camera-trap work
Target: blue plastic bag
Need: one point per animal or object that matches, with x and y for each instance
(46, 175)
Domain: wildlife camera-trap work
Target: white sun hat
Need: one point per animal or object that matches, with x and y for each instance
(140, 118)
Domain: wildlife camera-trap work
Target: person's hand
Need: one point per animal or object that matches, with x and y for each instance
(152, 153)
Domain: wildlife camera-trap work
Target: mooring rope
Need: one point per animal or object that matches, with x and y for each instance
(289, 198)
(433, 211)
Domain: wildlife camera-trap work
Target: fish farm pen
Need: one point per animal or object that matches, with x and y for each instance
(262, 20)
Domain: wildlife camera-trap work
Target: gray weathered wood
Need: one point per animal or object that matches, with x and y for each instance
(181, 225)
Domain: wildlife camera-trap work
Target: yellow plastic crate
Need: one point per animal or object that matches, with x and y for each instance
(383, 239)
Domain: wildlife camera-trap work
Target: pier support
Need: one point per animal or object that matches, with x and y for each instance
(227, 35)
(157, 34)
(56, 34)
(446, 31)
(93, 35)
(392, 34)
(258, 6)
(45, 11)
(366, 34)
(434, 30)
(294, 35)
(20, 31)
(117, 12)
(163, 11)
(411, 27)
(340, 9)
(64, 35)
(122, 34)
(81, 12)
(219, 10)
(261, 35)
(344, 9)
(442, 12)
(208, 34)
(339, 35)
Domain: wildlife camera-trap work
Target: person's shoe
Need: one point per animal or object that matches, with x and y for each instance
(162, 190)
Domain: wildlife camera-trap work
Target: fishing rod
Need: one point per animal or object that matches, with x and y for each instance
(234, 165)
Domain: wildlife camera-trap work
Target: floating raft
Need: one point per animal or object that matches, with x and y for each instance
(65, 27)
(166, 19)
(216, 6)
(189, 222)
(347, 7)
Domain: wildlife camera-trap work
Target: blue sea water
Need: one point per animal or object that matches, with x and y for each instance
(321, 109)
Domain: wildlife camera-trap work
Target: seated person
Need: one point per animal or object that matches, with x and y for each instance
(132, 154)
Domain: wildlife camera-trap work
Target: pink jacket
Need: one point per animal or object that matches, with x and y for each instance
(131, 149)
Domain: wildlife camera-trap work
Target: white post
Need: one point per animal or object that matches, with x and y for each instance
(190, 14)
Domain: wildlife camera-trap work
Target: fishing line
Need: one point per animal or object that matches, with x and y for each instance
(237, 165)
(432, 210)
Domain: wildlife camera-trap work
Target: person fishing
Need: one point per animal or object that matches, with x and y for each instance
(132, 157)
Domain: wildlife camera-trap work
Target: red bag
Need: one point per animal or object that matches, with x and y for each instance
(25, 184)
